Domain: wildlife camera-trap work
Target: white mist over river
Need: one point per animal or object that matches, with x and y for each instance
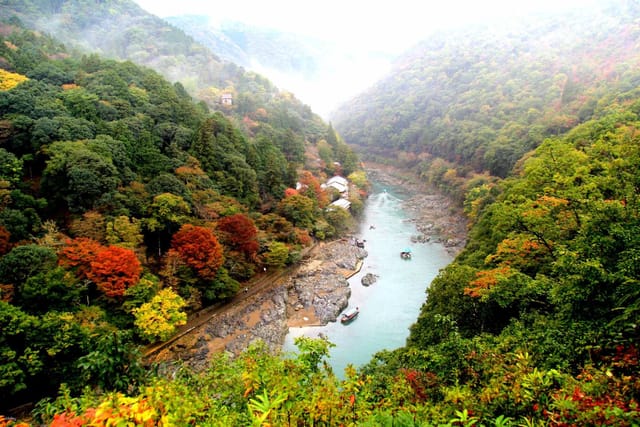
(392, 304)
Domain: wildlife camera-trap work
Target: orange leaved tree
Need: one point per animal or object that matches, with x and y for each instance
(114, 270)
(199, 248)
(78, 254)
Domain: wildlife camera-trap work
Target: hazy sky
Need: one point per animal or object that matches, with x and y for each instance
(361, 26)
(389, 22)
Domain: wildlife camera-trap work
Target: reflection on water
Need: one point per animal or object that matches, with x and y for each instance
(389, 306)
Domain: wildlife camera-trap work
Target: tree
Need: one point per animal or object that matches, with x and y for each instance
(298, 209)
(312, 189)
(5, 241)
(78, 254)
(114, 363)
(115, 269)
(10, 167)
(277, 255)
(125, 232)
(25, 261)
(158, 319)
(168, 212)
(199, 248)
(276, 227)
(78, 175)
(340, 219)
(240, 233)
(55, 289)
(10, 80)
(19, 361)
(91, 225)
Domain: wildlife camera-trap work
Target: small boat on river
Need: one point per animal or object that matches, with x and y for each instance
(406, 253)
(349, 315)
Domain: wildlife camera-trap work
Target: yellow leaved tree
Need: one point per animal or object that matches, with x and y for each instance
(158, 318)
(10, 80)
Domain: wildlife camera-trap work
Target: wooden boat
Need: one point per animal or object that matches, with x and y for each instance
(405, 254)
(349, 315)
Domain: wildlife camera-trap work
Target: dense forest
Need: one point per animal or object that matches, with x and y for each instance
(125, 204)
(482, 97)
(120, 29)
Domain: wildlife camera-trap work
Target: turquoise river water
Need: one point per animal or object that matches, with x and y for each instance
(389, 306)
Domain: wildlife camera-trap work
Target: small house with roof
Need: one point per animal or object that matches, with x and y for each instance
(339, 183)
(341, 203)
(226, 99)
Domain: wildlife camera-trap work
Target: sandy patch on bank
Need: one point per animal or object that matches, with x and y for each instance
(303, 317)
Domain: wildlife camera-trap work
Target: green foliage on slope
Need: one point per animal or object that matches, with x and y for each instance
(483, 97)
(113, 183)
(120, 29)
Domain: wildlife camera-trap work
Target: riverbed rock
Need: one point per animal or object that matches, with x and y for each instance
(322, 284)
(369, 279)
(327, 292)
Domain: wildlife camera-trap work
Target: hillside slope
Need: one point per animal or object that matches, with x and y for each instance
(483, 97)
(120, 29)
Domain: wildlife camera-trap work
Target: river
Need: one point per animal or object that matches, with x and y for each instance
(389, 306)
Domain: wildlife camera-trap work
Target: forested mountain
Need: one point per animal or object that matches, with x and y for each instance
(120, 29)
(304, 64)
(483, 96)
(246, 45)
(125, 204)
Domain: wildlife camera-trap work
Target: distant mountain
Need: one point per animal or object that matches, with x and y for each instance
(252, 46)
(483, 97)
(321, 72)
(120, 29)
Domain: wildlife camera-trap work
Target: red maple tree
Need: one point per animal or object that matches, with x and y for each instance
(311, 188)
(115, 269)
(199, 248)
(5, 237)
(78, 254)
(240, 233)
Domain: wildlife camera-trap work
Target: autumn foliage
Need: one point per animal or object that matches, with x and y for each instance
(114, 270)
(240, 233)
(10, 80)
(78, 254)
(311, 188)
(199, 248)
(290, 192)
(485, 280)
(5, 244)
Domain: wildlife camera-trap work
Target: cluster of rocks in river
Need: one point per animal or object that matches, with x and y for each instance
(436, 221)
(369, 279)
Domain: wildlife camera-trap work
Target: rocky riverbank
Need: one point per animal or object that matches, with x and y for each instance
(314, 294)
(317, 291)
(435, 216)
